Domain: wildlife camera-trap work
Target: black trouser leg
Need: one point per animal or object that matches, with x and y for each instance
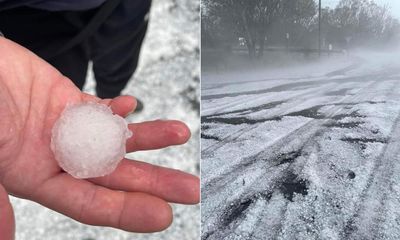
(113, 69)
(73, 64)
(116, 46)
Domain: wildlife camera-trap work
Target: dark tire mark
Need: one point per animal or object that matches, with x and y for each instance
(312, 112)
(205, 136)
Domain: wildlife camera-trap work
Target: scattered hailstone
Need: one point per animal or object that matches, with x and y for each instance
(88, 140)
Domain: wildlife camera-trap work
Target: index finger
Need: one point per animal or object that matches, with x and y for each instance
(157, 134)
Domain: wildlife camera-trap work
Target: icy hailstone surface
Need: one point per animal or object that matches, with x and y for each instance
(88, 140)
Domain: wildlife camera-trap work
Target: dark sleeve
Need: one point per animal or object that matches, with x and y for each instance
(51, 5)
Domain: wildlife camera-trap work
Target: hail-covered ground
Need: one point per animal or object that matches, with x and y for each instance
(167, 81)
(308, 152)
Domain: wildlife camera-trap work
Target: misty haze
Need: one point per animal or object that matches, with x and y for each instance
(300, 120)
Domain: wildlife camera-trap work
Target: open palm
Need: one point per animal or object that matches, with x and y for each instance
(133, 198)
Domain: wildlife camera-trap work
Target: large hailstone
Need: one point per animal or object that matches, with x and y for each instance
(88, 140)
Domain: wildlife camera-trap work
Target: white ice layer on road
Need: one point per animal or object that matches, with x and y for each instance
(303, 153)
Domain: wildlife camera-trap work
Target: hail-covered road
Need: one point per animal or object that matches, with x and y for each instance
(311, 152)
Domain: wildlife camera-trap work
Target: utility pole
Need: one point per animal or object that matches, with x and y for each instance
(319, 29)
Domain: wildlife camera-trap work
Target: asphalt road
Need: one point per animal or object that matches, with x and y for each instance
(305, 153)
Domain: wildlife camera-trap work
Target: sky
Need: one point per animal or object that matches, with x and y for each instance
(393, 5)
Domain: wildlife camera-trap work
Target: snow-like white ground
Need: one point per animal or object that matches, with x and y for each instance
(167, 81)
(310, 152)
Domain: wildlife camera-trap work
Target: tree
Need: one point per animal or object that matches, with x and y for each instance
(350, 23)
(245, 18)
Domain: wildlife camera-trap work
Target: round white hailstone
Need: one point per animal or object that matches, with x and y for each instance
(88, 140)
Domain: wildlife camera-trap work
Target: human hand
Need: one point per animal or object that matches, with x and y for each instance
(133, 198)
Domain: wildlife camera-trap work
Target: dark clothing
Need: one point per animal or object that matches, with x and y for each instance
(52, 5)
(112, 41)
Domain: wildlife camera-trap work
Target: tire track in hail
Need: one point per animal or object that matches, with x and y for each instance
(366, 221)
(234, 136)
(309, 130)
(312, 213)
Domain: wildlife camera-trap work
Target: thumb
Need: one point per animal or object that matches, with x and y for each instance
(7, 224)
